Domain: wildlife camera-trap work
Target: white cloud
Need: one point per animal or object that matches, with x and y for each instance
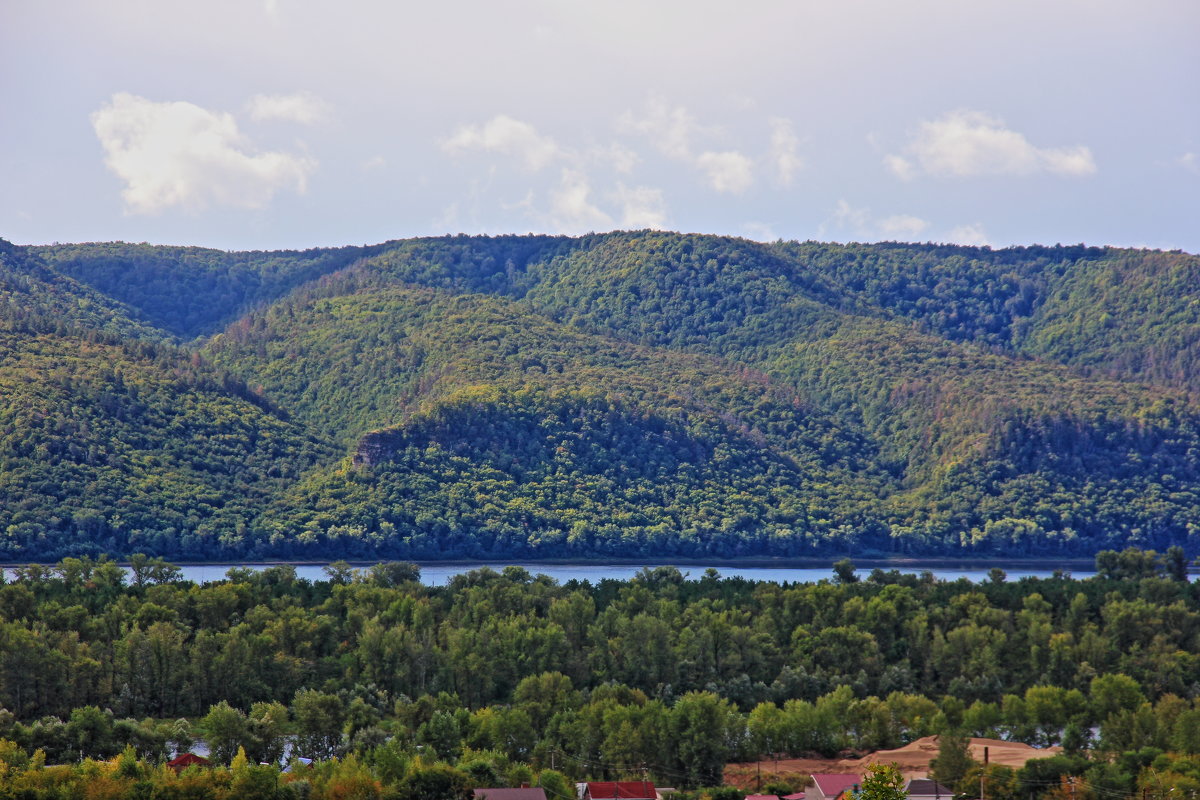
(728, 171)
(303, 107)
(571, 210)
(617, 156)
(901, 167)
(1190, 162)
(783, 151)
(902, 226)
(865, 226)
(972, 235)
(641, 207)
(670, 128)
(507, 136)
(179, 154)
(847, 216)
(969, 143)
(374, 163)
(759, 232)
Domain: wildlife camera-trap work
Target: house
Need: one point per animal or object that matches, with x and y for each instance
(180, 763)
(827, 786)
(762, 797)
(523, 793)
(927, 789)
(618, 790)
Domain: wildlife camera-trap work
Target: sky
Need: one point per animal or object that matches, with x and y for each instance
(268, 124)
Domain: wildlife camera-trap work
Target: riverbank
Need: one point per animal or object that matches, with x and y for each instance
(442, 573)
(867, 563)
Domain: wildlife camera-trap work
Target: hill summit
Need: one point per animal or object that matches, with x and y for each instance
(638, 394)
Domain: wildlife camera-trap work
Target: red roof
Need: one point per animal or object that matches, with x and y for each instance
(621, 790)
(831, 785)
(188, 760)
(762, 797)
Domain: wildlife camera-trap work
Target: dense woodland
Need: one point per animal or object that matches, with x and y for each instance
(635, 394)
(405, 690)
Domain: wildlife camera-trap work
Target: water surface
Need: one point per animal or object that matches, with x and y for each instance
(440, 574)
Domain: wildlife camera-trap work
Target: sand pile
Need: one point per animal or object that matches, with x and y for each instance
(915, 757)
(913, 760)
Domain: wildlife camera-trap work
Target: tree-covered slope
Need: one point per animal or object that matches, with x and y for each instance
(30, 289)
(986, 443)
(1131, 313)
(192, 291)
(1004, 454)
(962, 446)
(637, 393)
(123, 446)
(1127, 313)
(503, 432)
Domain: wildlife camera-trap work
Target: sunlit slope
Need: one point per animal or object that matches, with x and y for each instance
(635, 393)
(477, 426)
(1006, 454)
(29, 289)
(982, 441)
(1125, 313)
(1132, 313)
(120, 447)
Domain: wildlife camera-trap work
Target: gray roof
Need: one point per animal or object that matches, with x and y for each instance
(535, 793)
(927, 787)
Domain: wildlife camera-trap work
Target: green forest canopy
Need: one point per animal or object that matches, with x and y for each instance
(632, 394)
(498, 677)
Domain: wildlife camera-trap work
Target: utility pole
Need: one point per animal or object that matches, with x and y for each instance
(983, 773)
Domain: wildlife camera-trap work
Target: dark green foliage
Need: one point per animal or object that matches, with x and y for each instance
(521, 434)
(34, 295)
(190, 291)
(953, 759)
(111, 447)
(618, 394)
(512, 673)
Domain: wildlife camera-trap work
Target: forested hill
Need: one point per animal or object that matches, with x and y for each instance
(627, 394)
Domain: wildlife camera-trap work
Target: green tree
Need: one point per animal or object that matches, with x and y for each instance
(253, 781)
(702, 725)
(442, 733)
(319, 718)
(433, 782)
(556, 785)
(844, 571)
(999, 782)
(1114, 692)
(391, 574)
(882, 782)
(953, 759)
(268, 727)
(91, 732)
(224, 730)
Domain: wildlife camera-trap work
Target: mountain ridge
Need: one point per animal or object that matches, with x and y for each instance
(902, 398)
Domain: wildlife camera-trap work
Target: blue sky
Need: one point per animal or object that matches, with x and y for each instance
(254, 124)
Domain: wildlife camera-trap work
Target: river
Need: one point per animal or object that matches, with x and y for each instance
(439, 574)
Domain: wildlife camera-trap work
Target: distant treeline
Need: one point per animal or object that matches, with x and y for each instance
(498, 670)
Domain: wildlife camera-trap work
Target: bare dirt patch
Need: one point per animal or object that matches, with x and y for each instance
(913, 760)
